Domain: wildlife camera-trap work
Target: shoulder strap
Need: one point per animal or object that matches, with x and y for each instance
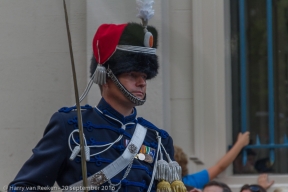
(116, 166)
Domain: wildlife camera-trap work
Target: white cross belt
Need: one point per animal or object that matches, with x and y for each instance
(116, 166)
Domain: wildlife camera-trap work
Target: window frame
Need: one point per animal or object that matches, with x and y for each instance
(212, 106)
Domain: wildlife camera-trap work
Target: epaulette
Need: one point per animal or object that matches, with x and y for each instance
(149, 125)
(69, 109)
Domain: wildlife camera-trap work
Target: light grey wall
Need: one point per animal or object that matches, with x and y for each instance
(181, 70)
(35, 72)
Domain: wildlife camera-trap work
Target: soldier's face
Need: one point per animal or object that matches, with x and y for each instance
(135, 83)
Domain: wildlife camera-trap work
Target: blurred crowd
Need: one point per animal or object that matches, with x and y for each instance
(204, 180)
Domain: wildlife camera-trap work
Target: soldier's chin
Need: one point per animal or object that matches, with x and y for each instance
(139, 96)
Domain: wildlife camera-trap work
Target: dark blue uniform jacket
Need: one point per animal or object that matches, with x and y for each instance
(50, 160)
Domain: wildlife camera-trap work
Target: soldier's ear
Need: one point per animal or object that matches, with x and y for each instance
(108, 81)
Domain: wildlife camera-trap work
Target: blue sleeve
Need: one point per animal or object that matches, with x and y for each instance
(47, 160)
(197, 180)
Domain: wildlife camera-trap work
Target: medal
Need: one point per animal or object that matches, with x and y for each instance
(148, 158)
(141, 156)
(145, 154)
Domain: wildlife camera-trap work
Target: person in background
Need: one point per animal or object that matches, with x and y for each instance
(216, 186)
(262, 186)
(263, 183)
(199, 179)
(252, 188)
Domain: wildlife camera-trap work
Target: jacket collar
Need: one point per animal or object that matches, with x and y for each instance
(107, 109)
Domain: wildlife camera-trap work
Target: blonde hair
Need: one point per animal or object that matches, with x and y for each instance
(182, 159)
(281, 189)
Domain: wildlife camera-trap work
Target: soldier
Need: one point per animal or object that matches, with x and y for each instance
(123, 152)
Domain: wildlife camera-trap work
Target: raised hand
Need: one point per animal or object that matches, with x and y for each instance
(243, 138)
(263, 180)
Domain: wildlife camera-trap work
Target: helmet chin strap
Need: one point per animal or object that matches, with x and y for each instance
(125, 92)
